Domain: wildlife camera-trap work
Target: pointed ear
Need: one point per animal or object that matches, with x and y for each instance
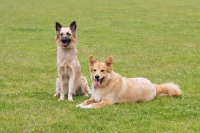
(73, 26)
(108, 61)
(92, 60)
(58, 26)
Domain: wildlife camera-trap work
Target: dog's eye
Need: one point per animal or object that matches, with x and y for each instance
(102, 70)
(68, 34)
(94, 70)
(61, 34)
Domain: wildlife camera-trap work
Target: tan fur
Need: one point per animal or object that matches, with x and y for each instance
(70, 79)
(117, 89)
(169, 89)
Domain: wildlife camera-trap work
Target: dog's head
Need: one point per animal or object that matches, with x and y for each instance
(66, 37)
(100, 71)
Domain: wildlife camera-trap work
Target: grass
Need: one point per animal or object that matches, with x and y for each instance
(155, 39)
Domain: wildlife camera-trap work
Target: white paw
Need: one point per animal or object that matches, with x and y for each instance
(70, 99)
(56, 94)
(84, 106)
(60, 99)
(79, 105)
(86, 95)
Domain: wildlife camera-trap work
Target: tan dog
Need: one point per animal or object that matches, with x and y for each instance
(110, 87)
(70, 79)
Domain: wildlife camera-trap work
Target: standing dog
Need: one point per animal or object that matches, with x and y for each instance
(70, 79)
(111, 87)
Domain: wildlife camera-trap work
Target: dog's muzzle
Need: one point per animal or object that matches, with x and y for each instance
(98, 81)
(65, 41)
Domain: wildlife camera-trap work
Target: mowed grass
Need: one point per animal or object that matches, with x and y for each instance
(159, 40)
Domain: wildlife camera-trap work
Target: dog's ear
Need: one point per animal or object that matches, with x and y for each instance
(73, 27)
(92, 60)
(108, 61)
(58, 26)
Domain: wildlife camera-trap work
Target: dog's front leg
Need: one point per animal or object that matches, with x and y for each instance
(99, 104)
(71, 87)
(86, 102)
(57, 87)
(61, 82)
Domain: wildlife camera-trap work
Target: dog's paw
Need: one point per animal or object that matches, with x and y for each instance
(83, 106)
(60, 99)
(70, 99)
(86, 107)
(86, 95)
(79, 105)
(56, 94)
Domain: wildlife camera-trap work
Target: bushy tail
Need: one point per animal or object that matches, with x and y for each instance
(167, 89)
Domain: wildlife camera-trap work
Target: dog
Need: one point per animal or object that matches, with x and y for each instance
(70, 81)
(110, 87)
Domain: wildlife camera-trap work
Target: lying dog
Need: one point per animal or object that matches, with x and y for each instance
(70, 79)
(110, 87)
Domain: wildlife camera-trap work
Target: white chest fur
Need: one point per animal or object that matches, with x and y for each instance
(96, 95)
(66, 56)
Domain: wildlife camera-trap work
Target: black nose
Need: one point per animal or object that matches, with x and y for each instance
(96, 76)
(64, 40)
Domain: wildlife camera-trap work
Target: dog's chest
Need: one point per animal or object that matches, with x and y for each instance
(67, 60)
(66, 57)
(63, 60)
(96, 95)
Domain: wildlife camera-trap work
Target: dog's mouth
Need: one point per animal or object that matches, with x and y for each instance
(98, 82)
(65, 41)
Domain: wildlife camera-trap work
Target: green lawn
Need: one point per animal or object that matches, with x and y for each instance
(156, 39)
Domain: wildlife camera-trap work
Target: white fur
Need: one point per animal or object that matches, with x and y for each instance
(96, 96)
(83, 106)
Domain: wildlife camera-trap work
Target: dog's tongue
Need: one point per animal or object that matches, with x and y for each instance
(65, 44)
(97, 84)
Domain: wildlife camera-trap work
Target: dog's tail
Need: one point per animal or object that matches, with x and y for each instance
(167, 89)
